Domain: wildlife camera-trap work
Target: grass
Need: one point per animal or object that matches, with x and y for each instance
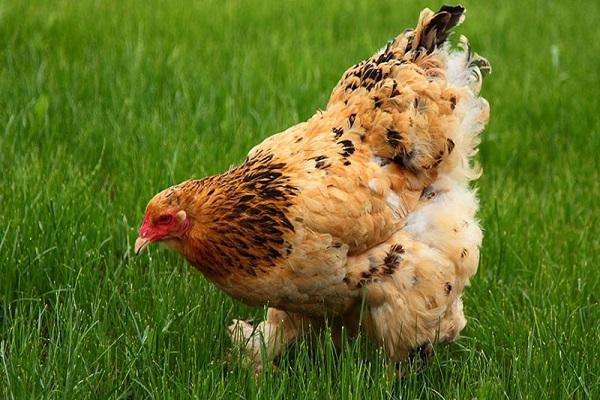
(103, 103)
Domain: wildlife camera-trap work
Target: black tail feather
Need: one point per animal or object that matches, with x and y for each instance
(433, 30)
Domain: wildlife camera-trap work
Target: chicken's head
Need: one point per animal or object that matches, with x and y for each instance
(164, 221)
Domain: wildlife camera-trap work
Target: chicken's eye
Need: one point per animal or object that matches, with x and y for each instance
(164, 219)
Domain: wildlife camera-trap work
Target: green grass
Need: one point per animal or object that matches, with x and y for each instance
(103, 103)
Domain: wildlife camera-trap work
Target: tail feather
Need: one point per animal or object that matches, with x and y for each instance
(433, 29)
(417, 97)
(466, 68)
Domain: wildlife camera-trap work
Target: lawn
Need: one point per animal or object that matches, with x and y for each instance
(103, 103)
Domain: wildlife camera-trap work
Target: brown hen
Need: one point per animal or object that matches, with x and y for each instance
(363, 212)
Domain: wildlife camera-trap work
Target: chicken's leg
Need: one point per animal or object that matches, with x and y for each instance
(267, 340)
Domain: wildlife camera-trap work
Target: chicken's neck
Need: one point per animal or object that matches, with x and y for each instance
(239, 222)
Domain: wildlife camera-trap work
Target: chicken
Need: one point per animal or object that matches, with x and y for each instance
(363, 213)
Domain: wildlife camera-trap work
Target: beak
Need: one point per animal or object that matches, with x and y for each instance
(140, 244)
